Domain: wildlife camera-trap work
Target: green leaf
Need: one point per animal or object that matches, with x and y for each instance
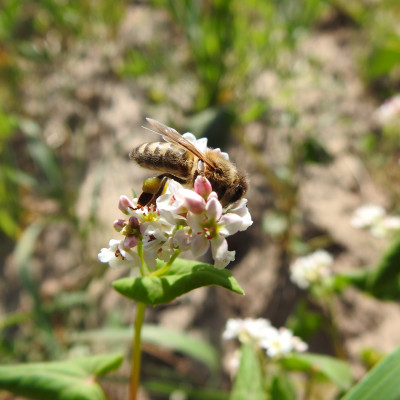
(182, 342)
(381, 383)
(282, 388)
(181, 278)
(249, 379)
(159, 336)
(333, 369)
(314, 152)
(382, 282)
(59, 380)
(184, 391)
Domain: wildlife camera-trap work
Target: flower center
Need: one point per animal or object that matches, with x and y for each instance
(210, 228)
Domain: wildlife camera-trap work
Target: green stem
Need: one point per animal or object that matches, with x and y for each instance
(333, 330)
(144, 269)
(167, 266)
(136, 351)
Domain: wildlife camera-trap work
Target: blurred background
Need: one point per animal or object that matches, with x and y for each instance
(290, 89)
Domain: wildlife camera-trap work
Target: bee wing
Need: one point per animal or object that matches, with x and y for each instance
(171, 135)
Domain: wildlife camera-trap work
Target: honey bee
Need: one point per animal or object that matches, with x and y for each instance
(179, 159)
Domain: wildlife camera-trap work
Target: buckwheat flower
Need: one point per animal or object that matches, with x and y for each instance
(201, 144)
(125, 204)
(156, 244)
(386, 227)
(183, 238)
(389, 110)
(247, 330)
(312, 269)
(116, 256)
(279, 342)
(211, 227)
(240, 208)
(367, 215)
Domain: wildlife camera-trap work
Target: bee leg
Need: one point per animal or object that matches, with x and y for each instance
(154, 188)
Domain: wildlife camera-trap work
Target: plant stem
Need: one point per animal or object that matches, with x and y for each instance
(136, 351)
(167, 266)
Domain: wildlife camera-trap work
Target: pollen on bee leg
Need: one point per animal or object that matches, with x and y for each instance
(151, 185)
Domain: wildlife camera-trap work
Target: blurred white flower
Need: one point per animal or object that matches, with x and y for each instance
(275, 342)
(386, 226)
(311, 269)
(248, 329)
(367, 215)
(388, 111)
(376, 220)
(281, 341)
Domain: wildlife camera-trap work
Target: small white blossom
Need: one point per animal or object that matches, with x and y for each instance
(281, 341)
(376, 220)
(211, 227)
(116, 256)
(389, 111)
(367, 215)
(311, 269)
(275, 342)
(248, 329)
(386, 226)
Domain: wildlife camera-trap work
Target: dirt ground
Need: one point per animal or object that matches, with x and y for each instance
(82, 97)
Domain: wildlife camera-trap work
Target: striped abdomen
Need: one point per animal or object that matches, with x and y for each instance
(164, 157)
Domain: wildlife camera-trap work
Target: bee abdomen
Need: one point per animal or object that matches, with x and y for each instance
(165, 157)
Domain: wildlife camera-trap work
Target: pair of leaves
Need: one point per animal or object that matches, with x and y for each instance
(59, 380)
(182, 277)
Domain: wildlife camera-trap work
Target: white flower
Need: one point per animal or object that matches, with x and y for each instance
(386, 226)
(311, 269)
(248, 329)
(211, 227)
(116, 256)
(171, 205)
(201, 144)
(281, 341)
(156, 244)
(240, 208)
(276, 342)
(389, 110)
(367, 215)
(376, 220)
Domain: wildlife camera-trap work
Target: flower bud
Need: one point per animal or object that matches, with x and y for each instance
(119, 224)
(193, 201)
(124, 203)
(134, 222)
(130, 241)
(202, 186)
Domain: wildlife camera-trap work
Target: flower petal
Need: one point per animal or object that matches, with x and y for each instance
(213, 209)
(199, 245)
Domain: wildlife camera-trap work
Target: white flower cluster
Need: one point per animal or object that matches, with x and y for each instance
(182, 219)
(375, 219)
(312, 269)
(275, 342)
(389, 111)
